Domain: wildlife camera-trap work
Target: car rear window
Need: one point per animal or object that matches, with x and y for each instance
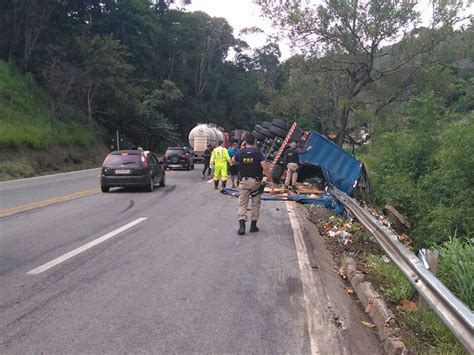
(175, 151)
(116, 159)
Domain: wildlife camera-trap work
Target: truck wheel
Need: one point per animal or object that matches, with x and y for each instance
(297, 133)
(257, 135)
(266, 124)
(280, 124)
(277, 172)
(264, 131)
(278, 131)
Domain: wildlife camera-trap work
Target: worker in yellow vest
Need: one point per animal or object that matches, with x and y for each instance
(219, 158)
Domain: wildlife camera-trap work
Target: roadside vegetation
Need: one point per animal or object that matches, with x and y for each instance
(30, 118)
(416, 324)
(39, 135)
(395, 91)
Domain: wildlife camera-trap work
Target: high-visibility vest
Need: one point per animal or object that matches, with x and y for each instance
(219, 155)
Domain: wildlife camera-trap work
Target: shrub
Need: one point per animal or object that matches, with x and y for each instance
(456, 268)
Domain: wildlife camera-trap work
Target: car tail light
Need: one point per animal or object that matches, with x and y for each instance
(144, 162)
(105, 160)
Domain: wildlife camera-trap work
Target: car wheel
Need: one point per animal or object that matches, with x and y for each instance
(192, 167)
(278, 131)
(163, 180)
(151, 185)
(188, 167)
(104, 188)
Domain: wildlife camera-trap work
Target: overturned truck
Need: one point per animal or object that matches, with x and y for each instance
(323, 162)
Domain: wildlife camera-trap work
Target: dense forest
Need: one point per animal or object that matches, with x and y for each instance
(136, 66)
(396, 92)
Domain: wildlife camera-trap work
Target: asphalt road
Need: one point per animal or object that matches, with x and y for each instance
(170, 273)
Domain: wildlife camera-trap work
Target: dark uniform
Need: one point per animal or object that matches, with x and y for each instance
(206, 160)
(251, 174)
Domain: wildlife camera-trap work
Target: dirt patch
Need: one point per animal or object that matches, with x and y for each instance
(26, 162)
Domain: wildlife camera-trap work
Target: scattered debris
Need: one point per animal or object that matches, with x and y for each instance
(388, 321)
(397, 218)
(369, 306)
(341, 272)
(368, 324)
(349, 289)
(385, 259)
(408, 305)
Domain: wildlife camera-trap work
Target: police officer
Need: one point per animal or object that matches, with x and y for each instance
(220, 158)
(291, 161)
(252, 166)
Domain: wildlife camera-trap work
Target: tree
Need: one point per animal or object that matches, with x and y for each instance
(23, 23)
(104, 69)
(347, 37)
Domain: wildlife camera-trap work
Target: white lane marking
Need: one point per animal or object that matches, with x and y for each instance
(323, 337)
(46, 176)
(306, 277)
(85, 247)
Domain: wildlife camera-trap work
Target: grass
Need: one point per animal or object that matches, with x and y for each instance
(456, 268)
(424, 332)
(30, 118)
(392, 284)
(429, 334)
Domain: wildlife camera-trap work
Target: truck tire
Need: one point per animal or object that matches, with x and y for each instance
(266, 124)
(297, 133)
(280, 124)
(278, 131)
(277, 172)
(257, 135)
(264, 131)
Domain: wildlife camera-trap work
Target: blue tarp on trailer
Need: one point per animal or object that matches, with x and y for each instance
(339, 167)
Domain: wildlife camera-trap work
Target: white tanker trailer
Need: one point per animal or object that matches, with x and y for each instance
(204, 134)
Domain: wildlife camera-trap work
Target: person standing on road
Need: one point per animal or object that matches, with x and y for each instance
(291, 161)
(234, 168)
(252, 166)
(220, 158)
(207, 161)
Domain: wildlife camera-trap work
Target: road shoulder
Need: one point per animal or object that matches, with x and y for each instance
(343, 309)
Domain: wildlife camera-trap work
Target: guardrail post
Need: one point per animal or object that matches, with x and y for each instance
(431, 257)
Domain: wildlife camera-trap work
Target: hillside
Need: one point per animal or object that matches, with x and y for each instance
(38, 135)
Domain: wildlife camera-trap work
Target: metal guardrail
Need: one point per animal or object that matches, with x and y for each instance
(455, 314)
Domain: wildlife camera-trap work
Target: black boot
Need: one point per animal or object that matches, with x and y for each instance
(216, 184)
(253, 227)
(241, 230)
(224, 183)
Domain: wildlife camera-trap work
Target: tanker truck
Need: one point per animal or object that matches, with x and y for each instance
(204, 134)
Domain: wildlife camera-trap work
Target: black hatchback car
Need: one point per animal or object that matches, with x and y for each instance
(131, 168)
(178, 157)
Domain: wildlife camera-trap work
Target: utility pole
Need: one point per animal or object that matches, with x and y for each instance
(118, 143)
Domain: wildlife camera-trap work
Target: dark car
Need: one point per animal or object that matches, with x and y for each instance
(178, 157)
(131, 168)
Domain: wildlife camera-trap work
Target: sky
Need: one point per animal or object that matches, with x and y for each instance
(241, 14)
